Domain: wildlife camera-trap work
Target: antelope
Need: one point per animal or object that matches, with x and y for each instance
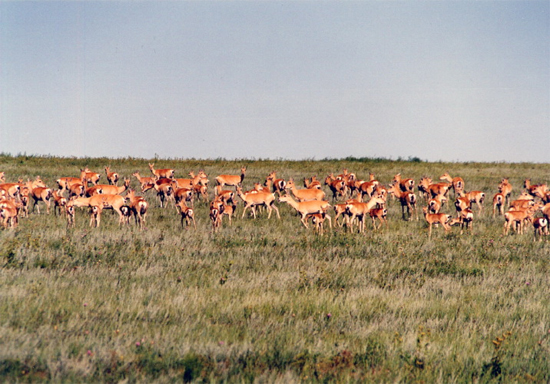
(231, 180)
(126, 214)
(423, 187)
(318, 220)
(406, 185)
(144, 180)
(89, 176)
(436, 218)
(407, 199)
(476, 197)
(465, 219)
(540, 225)
(76, 190)
(41, 194)
(59, 202)
(113, 189)
(199, 179)
(216, 218)
(538, 190)
(200, 191)
(8, 216)
(498, 203)
(339, 209)
(138, 206)
(505, 188)
(92, 191)
(11, 189)
(360, 210)
(366, 188)
(69, 213)
(183, 194)
(187, 214)
(252, 200)
(307, 194)
(305, 208)
(164, 188)
(337, 186)
(112, 177)
(162, 173)
(435, 204)
(277, 185)
(65, 183)
(312, 183)
(518, 219)
(381, 214)
(456, 182)
(517, 205)
(114, 202)
(229, 210)
(434, 190)
(95, 215)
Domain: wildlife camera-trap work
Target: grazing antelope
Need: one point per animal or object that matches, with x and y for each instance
(187, 214)
(305, 208)
(498, 203)
(231, 180)
(457, 183)
(167, 173)
(138, 206)
(89, 176)
(406, 185)
(112, 177)
(436, 218)
(407, 199)
(307, 194)
(253, 200)
(360, 210)
(540, 225)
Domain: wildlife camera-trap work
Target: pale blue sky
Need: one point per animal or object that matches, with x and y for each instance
(440, 80)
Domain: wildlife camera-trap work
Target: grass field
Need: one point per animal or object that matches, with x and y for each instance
(268, 300)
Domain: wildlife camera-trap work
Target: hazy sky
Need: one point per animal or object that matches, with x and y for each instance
(439, 80)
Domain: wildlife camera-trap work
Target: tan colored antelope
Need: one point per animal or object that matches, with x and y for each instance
(305, 208)
(457, 183)
(11, 190)
(518, 219)
(381, 214)
(360, 211)
(59, 203)
(318, 220)
(307, 194)
(65, 183)
(338, 187)
(114, 202)
(499, 201)
(436, 218)
(406, 185)
(138, 206)
(41, 194)
(112, 177)
(113, 189)
(505, 188)
(90, 177)
(276, 185)
(231, 180)
(435, 204)
(465, 219)
(540, 226)
(167, 173)
(257, 199)
(144, 180)
(538, 190)
(475, 197)
(406, 199)
(8, 216)
(187, 214)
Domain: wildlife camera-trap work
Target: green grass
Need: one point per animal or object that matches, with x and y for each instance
(267, 300)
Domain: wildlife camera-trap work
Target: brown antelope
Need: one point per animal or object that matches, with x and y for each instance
(337, 187)
(277, 185)
(65, 183)
(406, 185)
(381, 214)
(505, 188)
(215, 217)
(95, 215)
(11, 190)
(231, 180)
(41, 194)
(307, 194)
(199, 179)
(8, 216)
(112, 177)
(498, 203)
(476, 197)
(183, 194)
(138, 206)
(538, 190)
(367, 188)
(340, 210)
(360, 210)
(423, 187)
(114, 202)
(164, 188)
(69, 213)
(91, 191)
(167, 173)
(89, 176)
(59, 202)
(229, 210)
(312, 183)
(144, 180)
(540, 225)
(318, 219)
(435, 204)
(187, 214)
(437, 218)
(465, 219)
(517, 205)
(434, 189)
(112, 189)
(253, 200)
(305, 208)
(200, 191)
(457, 183)
(407, 199)
(518, 219)
(77, 190)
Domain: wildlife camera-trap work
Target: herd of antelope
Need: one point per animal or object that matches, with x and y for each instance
(353, 200)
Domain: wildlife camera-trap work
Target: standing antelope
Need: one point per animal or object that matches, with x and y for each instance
(407, 199)
(187, 214)
(360, 210)
(305, 208)
(144, 180)
(456, 182)
(277, 185)
(138, 206)
(476, 197)
(505, 188)
(160, 173)
(307, 194)
(318, 220)
(253, 200)
(89, 176)
(540, 225)
(498, 203)
(437, 218)
(406, 185)
(112, 177)
(231, 180)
